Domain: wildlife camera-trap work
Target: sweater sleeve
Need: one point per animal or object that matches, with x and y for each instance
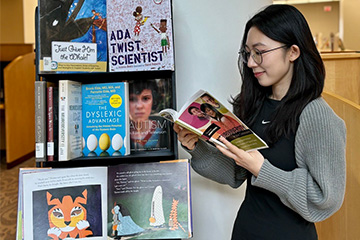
(316, 188)
(209, 162)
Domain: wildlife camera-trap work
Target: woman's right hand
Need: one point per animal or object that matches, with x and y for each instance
(188, 139)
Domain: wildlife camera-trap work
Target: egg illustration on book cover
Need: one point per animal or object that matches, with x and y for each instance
(104, 142)
(92, 142)
(117, 142)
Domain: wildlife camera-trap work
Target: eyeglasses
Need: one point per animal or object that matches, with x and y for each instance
(256, 54)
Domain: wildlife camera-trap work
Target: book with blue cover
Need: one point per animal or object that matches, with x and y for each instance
(105, 119)
(72, 36)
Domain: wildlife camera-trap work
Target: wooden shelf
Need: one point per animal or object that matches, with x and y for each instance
(9, 52)
(342, 74)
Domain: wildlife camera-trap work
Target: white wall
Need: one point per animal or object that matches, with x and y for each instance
(207, 40)
(350, 23)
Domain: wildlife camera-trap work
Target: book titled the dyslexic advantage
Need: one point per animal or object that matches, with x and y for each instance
(126, 201)
(72, 36)
(105, 116)
(140, 35)
(208, 118)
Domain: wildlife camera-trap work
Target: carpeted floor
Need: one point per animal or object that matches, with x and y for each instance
(8, 197)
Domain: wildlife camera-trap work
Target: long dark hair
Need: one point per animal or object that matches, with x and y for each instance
(284, 24)
(218, 115)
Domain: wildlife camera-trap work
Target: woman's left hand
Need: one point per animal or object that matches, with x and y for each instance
(252, 160)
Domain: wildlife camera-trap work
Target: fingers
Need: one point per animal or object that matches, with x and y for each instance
(226, 152)
(186, 137)
(177, 128)
(231, 146)
(189, 141)
(252, 160)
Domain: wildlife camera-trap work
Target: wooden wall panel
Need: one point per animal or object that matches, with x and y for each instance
(343, 75)
(344, 225)
(19, 78)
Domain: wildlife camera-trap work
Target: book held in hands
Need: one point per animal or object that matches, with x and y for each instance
(209, 119)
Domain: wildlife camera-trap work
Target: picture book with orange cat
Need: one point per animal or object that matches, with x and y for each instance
(136, 201)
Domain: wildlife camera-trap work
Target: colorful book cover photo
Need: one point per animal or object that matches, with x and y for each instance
(140, 35)
(73, 36)
(105, 119)
(149, 201)
(205, 116)
(149, 131)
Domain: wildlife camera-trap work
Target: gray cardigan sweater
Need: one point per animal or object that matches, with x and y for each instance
(316, 188)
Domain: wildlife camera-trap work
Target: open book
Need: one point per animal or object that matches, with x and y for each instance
(131, 201)
(208, 118)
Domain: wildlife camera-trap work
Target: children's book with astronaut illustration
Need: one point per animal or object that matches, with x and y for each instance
(140, 35)
(132, 201)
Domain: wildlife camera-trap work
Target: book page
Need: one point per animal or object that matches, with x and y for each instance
(150, 200)
(20, 215)
(169, 114)
(65, 203)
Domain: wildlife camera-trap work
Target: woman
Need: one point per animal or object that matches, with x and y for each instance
(146, 132)
(224, 122)
(300, 178)
(210, 100)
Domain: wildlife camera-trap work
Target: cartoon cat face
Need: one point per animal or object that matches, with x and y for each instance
(67, 213)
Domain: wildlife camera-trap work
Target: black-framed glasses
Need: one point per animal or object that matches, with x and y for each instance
(256, 54)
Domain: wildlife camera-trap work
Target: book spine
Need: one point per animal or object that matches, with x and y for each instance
(63, 121)
(50, 124)
(127, 119)
(40, 121)
(56, 121)
(70, 126)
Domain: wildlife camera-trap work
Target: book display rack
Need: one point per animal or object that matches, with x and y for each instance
(104, 71)
(104, 42)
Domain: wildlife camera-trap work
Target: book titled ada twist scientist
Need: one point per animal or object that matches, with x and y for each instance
(140, 35)
(105, 119)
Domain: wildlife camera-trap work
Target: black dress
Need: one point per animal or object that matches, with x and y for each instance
(262, 216)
